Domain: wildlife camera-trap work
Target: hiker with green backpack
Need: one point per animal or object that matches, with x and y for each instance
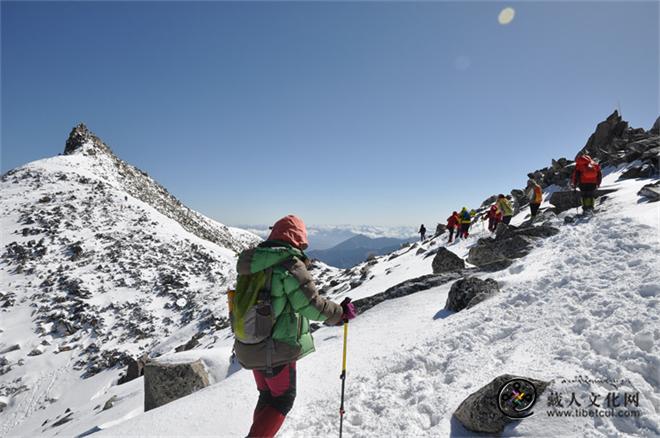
(274, 300)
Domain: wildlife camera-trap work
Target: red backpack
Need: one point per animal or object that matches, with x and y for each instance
(588, 169)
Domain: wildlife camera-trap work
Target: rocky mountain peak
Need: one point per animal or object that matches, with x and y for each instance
(81, 135)
(655, 130)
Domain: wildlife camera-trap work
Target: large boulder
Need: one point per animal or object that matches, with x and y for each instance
(489, 250)
(491, 254)
(165, 382)
(566, 200)
(645, 170)
(651, 192)
(446, 261)
(467, 292)
(480, 411)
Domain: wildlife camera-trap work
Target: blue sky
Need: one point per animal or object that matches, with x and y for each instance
(364, 113)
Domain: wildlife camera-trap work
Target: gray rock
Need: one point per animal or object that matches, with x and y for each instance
(509, 243)
(446, 261)
(651, 154)
(503, 230)
(68, 417)
(135, 369)
(559, 164)
(566, 200)
(519, 196)
(110, 403)
(479, 412)
(11, 348)
(490, 250)
(496, 266)
(405, 288)
(467, 292)
(645, 170)
(655, 130)
(606, 131)
(192, 343)
(651, 191)
(540, 231)
(37, 351)
(440, 229)
(164, 383)
(489, 201)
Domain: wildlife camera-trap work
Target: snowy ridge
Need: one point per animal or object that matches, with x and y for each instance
(91, 275)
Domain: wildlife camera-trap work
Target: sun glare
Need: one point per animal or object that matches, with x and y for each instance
(506, 16)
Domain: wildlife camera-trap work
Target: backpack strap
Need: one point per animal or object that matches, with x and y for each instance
(265, 297)
(264, 294)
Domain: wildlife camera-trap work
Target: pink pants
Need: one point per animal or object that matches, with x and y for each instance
(276, 396)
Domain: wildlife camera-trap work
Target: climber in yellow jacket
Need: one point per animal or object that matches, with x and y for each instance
(505, 208)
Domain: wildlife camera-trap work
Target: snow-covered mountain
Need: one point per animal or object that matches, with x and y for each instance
(579, 302)
(99, 264)
(357, 249)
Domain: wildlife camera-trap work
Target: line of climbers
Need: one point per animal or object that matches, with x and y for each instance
(587, 176)
(460, 222)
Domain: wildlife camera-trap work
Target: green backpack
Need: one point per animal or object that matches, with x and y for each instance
(251, 312)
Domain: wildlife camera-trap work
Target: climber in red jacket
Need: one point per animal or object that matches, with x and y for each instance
(452, 224)
(587, 176)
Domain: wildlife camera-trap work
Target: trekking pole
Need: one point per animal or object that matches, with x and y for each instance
(343, 379)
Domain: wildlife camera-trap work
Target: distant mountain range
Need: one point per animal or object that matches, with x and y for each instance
(356, 250)
(323, 237)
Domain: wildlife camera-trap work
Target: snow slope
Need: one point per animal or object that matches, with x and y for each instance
(582, 303)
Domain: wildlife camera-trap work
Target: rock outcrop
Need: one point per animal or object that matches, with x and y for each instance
(644, 170)
(135, 369)
(510, 243)
(446, 261)
(655, 130)
(440, 229)
(164, 383)
(613, 143)
(606, 131)
(480, 411)
(470, 291)
(650, 192)
(563, 201)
